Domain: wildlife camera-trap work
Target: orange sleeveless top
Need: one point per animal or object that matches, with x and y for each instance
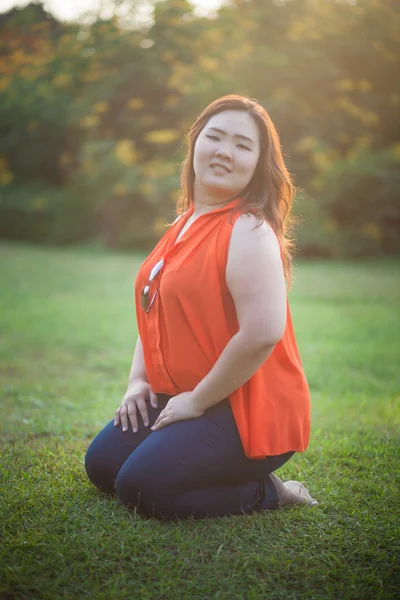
(193, 318)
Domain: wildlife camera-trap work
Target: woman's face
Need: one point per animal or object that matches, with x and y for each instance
(226, 154)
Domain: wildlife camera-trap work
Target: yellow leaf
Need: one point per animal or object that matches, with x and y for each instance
(3, 164)
(162, 136)
(125, 151)
(396, 150)
(209, 64)
(39, 203)
(89, 121)
(135, 103)
(323, 159)
(62, 80)
(345, 84)
(88, 166)
(6, 178)
(168, 56)
(343, 137)
(4, 83)
(366, 117)
(172, 100)
(369, 118)
(147, 188)
(155, 169)
(359, 142)
(364, 85)
(307, 143)
(100, 107)
(120, 189)
(91, 76)
(372, 230)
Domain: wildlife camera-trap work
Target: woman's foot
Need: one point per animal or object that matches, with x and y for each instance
(299, 494)
(292, 492)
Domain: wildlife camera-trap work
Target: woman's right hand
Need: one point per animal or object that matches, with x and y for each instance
(135, 399)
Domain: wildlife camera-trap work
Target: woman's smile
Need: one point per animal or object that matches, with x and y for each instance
(220, 170)
(226, 153)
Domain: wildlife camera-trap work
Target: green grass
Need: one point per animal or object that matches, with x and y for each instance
(67, 333)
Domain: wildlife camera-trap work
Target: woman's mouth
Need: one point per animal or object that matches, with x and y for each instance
(217, 168)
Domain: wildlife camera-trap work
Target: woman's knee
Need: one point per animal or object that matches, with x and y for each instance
(136, 490)
(98, 469)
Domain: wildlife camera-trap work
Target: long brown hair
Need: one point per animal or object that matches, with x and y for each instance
(269, 194)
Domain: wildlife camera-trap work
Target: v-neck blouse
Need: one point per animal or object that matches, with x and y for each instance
(193, 318)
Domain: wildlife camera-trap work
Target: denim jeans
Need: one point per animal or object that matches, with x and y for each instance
(194, 468)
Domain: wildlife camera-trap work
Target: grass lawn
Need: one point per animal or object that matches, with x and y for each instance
(67, 333)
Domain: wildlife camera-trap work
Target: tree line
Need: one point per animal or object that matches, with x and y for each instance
(93, 116)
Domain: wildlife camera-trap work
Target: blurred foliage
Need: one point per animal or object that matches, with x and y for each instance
(93, 116)
(360, 202)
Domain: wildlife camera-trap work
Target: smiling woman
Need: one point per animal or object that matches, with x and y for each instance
(216, 370)
(225, 157)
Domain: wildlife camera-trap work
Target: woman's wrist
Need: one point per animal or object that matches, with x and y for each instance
(239, 360)
(137, 379)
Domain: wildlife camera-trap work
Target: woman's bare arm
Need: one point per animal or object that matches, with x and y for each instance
(255, 279)
(138, 369)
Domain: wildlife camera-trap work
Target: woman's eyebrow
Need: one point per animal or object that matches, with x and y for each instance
(239, 135)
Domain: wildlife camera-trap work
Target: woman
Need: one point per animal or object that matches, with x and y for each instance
(217, 398)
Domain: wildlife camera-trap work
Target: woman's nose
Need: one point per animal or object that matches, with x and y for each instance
(224, 152)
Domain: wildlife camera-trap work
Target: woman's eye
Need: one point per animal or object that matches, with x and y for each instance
(214, 137)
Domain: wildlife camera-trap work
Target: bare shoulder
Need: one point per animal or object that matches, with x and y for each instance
(255, 279)
(253, 250)
(248, 231)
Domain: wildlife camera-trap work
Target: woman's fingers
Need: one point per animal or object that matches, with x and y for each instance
(160, 423)
(133, 416)
(124, 417)
(153, 399)
(127, 415)
(141, 404)
(161, 416)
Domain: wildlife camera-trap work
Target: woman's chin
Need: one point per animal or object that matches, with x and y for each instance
(218, 187)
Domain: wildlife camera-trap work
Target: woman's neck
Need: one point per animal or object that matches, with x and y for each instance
(204, 201)
(204, 204)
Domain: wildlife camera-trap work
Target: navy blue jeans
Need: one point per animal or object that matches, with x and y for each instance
(194, 468)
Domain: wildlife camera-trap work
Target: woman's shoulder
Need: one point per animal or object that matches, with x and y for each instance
(249, 225)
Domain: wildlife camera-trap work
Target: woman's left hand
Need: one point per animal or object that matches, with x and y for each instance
(178, 408)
